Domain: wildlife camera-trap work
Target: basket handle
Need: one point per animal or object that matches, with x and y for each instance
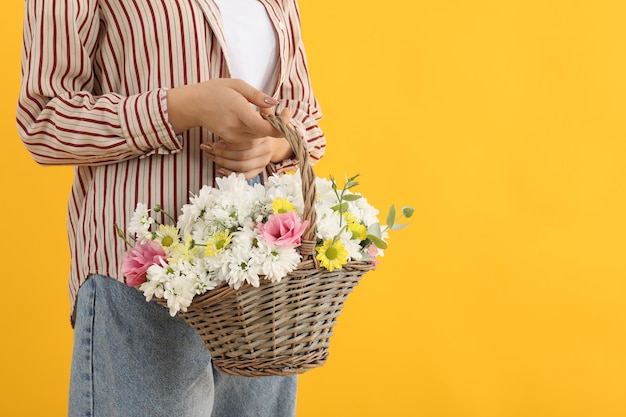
(307, 248)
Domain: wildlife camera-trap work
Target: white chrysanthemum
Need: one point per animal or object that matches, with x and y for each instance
(204, 278)
(261, 209)
(277, 261)
(198, 274)
(225, 216)
(198, 206)
(326, 196)
(151, 289)
(328, 223)
(179, 289)
(245, 237)
(156, 277)
(237, 267)
(364, 211)
(140, 222)
(353, 246)
(233, 183)
(236, 203)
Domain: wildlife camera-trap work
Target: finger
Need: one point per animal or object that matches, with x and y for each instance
(243, 167)
(285, 114)
(267, 110)
(222, 147)
(224, 172)
(237, 160)
(248, 175)
(256, 126)
(241, 160)
(253, 95)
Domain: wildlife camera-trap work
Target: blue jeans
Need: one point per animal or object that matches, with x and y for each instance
(132, 359)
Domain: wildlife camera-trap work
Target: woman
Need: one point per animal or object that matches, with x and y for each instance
(150, 100)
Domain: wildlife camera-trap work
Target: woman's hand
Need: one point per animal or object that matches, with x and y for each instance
(248, 156)
(221, 105)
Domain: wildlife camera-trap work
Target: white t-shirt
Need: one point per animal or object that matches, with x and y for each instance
(251, 42)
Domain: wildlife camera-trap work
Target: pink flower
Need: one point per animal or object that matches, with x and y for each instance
(137, 261)
(372, 252)
(283, 229)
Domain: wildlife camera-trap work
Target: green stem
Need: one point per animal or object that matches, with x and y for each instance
(387, 227)
(121, 234)
(159, 209)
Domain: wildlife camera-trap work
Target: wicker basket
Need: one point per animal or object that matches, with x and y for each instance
(278, 328)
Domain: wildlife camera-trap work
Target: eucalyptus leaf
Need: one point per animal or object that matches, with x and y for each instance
(380, 244)
(374, 229)
(391, 216)
(408, 211)
(399, 226)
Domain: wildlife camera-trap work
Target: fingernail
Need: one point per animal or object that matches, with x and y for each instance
(271, 101)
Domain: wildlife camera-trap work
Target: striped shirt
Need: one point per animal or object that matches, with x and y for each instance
(95, 75)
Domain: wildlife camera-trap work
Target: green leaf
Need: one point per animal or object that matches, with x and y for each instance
(399, 226)
(391, 216)
(351, 197)
(374, 229)
(340, 207)
(408, 211)
(380, 244)
(350, 184)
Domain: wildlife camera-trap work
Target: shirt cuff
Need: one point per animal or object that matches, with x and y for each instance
(145, 125)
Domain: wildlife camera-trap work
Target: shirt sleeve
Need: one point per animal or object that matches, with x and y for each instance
(296, 93)
(59, 118)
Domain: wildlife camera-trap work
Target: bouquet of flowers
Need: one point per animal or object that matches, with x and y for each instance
(238, 233)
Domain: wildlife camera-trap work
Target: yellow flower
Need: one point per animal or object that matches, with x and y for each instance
(332, 255)
(184, 250)
(359, 231)
(350, 218)
(217, 243)
(282, 205)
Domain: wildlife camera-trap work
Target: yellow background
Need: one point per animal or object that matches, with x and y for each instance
(503, 123)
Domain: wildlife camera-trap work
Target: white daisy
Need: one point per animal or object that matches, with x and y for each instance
(167, 235)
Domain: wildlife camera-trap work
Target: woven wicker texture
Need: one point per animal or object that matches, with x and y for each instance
(277, 328)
